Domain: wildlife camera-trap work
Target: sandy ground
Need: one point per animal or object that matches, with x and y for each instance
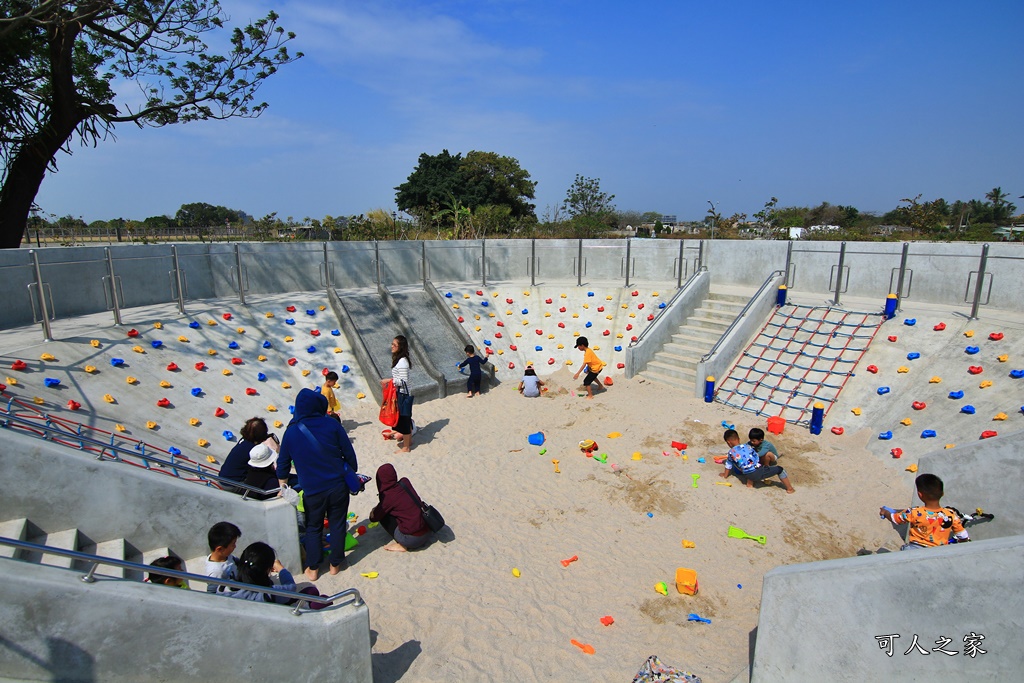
(454, 611)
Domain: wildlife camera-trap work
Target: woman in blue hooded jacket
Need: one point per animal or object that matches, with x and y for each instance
(320, 448)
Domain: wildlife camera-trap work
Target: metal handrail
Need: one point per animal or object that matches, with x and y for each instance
(742, 314)
(96, 560)
(679, 292)
(7, 419)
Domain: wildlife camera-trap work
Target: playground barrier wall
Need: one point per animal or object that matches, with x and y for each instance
(665, 325)
(76, 279)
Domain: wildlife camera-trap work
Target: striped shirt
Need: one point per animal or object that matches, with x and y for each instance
(400, 375)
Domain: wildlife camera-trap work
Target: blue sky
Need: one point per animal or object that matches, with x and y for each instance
(670, 104)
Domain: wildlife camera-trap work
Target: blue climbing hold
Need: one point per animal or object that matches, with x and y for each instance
(194, 325)
(228, 435)
(538, 348)
(910, 322)
(311, 349)
(261, 377)
(291, 409)
(913, 355)
(233, 345)
(156, 343)
(928, 434)
(197, 391)
(662, 305)
(174, 451)
(51, 382)
(882, 391)
(117, 362)
(447, 295)
(589, 324)
(289, 321)
(487, 342)
(525, 311)
(618, 348)
(1017, 374)
(266, 344)
(968, 409)
(956, 395)
(335, 333)
(885, 436)
(971, 350)
(310, 311)
(344, 369)
(485, 303)
(590, 294)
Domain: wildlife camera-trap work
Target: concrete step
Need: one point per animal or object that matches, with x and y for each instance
(709, 324)
(689, 363)
(731, 307)
(114, 549)
(690, 350)
(65, 540)
(688, 336)
(681, 379)
(16, 529)
(670, 369)
(735, 298)
(716, 313)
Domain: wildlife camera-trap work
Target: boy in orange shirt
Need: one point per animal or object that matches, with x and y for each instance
(592, 363)
(932, 524)
(333, 405)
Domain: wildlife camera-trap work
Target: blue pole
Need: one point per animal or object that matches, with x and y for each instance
(780, 297)
(891, 302)
(817, 418)
(709, 389)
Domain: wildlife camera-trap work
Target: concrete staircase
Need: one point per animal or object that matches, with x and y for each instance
(676, 364)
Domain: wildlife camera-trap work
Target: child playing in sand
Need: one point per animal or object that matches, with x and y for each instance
(474, 362)
(766, 451)
(932, 524)
(592, 363)
(531, 384)
(743, 461)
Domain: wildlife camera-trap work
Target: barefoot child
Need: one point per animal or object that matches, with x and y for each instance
(592, 363)
(932, 524)
(766, 451)
(474, 362)
(743, 461)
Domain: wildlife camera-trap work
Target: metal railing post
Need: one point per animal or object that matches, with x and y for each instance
(839, 276)
(238, 267)
(980, 282)
(903, 272)
(789, 261)
(533, 262)
(682, 266)
(113, 287)
(579, 265)
(628, 246)
(177, 279)
(700, 254)
(47, 332)
(327, 268)
(483, 260)
(423, 257)
(376, 260)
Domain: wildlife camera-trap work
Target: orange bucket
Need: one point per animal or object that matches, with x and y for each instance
(776, 424)
(686, 581)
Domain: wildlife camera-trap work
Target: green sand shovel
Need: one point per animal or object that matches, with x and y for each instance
(736, 532)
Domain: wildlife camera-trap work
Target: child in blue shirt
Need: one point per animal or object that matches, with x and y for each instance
(743, 462)
(474, 362)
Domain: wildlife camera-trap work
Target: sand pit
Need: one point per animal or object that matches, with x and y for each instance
(454, 611)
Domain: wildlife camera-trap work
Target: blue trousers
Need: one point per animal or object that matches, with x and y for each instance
(473, 383)
(334, 505)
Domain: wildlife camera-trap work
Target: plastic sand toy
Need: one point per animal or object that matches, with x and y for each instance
(736, 532)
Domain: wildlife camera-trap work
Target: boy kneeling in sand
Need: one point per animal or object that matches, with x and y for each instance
(743, 461)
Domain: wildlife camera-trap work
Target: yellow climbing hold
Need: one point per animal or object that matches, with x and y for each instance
(912, 468)
(625, 306)
(476, 317)
(289, 339)
(88, 368)
(500, 352)
(935, 380)
(654, 294)
(151, 425)
(271, 408)
(261, 358)
(305, 373)
(689, 544)
(455, 305)
(38, 401)
(519, 334)
(285, 385)
(969, 333)
(211, 352)
(138, 349)
(609, 317)
(465, 296)
(547, 314)
(225, 372)
(165, 384)
(211, 323)
(120, 428)
(491, 314)
(950, 445)
(337, 349)
(1003, 358)
(586, 305)
(526, 292)
(360, 395)
(1000, 417)
(562, 295)
(596, 347)
(608, 298)
(183, 339)
(902, 369)
(551, 336)
(477, 328)
(985, 384)
(632, 315)
(240, 330)
(526, 322)
(278, 424)
(203, 443)
(508, 311)
(561, 346)
(130, 380)
(618, 336)
(228, 399)
(158, 325)
(211, 459)
(12, 381)
(194, 421)
(47, 356)
(856, 411)
(269, 314)
(568, 362)
(906, 422)
(323, 308)
(95, 343)
(108, 398)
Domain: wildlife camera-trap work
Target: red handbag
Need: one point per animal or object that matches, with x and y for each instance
(389, 405)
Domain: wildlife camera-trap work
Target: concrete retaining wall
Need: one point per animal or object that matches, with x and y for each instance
(56, 628)
(57, 488)
(820, 621)
(667, 324)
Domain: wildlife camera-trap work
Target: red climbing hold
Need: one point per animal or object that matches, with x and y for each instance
(461, 320)
(479, 292)
(249, 391)
(561, 325)
(237, 361)
(172, 367)
(620, 366)
(896, 452)
(640, 307)
(226, 316)
(600, 309)
(293, 361)
(539, 331)
(629, 326)
(501, 324)
(650, 317)
(633, 339)
(488, 351)
(315, 333)
(133, 332)
(988, 434)
(892, 337)
(220, 412)
(513, 347)
(975, 369)
(940, 327)
(74, 405)
(873, 369)
(547, 301)
(551, 361)
(995, 336)
(497, 335)
(511, 366)
(562, 309)
(164, 403)
(325, 371)
(508, 301)
(635, 293)
(606, 333)
(19, 365)
(918, 405)
(838, 431)
(200, 366)
(290, 309)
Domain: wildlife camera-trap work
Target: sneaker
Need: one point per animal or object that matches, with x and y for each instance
(414, 428)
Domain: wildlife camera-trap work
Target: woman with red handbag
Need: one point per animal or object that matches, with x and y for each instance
(400, 366)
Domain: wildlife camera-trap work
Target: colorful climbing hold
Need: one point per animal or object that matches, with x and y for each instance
(151, 425)
(838, 431)
(910, 322)
(896, 452)
(971, 350)
(935, 380)
(95, 343)
(919, 405)
(856, 411)
(883, 391)
(975, 369)
(885, 436)
(873, 369)
(51, 382)
(985, 384)
(906, 422)
(913, 355)
(996, 336)
(903, 369)
(893, 337)
(130, 380)
(219, 412)
(989, 433)
(928, 434)
(115, 362)
(164, 403)
(133, 333)
(956, 395)
(940, 327)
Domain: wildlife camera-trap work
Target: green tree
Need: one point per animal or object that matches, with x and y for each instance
(491, 179)
(59, 62)
(590, 210)
(922, 217)
(1001, 209)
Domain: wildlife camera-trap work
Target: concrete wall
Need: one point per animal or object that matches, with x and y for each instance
(56, 628)
(819, 621)
(661, 330)
(940, 273)
(58, 488)
(985, 474)
(761, 308)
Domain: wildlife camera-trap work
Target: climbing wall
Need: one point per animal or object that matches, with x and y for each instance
(802, 356)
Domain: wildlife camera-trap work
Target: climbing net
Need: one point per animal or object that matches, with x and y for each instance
(803, 355)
